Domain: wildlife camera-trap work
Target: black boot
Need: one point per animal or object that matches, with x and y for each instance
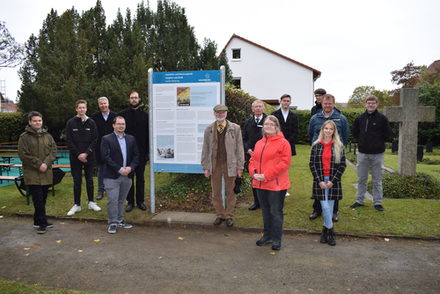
(331, 238)
(324, 235)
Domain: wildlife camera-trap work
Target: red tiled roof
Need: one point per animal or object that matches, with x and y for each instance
(316, 73)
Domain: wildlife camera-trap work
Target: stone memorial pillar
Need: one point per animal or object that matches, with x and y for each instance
(409, 114)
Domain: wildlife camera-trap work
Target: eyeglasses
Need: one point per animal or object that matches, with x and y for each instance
(371, 103)
(269, 124)
(134, 97)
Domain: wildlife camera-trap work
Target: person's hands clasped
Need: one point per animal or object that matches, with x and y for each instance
(259, 177)
(323, 185)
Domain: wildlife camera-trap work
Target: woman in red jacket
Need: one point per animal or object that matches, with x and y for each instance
(268, 168)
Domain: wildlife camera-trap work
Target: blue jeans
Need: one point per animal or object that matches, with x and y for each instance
(327, 208)
(117, 190)
(272, 204)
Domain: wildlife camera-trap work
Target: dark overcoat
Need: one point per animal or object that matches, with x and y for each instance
(288, 127)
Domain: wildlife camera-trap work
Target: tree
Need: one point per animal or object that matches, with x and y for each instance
(77, 57)
(11, 52)
(408, 76)
(357, 99)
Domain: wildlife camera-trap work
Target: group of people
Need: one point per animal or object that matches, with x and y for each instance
(118, 144)
(268, 145)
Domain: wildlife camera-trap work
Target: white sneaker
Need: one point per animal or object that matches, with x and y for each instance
(287, 194)
(93, 206)
(75, 208)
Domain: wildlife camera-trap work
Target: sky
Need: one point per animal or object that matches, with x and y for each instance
(352, 42)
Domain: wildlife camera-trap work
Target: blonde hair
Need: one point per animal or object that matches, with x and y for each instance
(338, 147)
(273, 119)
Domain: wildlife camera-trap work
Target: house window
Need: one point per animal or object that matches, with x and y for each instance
(236, 82)
(236, 53)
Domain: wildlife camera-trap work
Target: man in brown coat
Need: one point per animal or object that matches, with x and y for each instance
(223, 157)
(37, 150)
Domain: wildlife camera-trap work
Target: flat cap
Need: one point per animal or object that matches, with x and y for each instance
(220, 107)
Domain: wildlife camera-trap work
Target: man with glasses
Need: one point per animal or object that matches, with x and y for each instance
(136, 120)
(318, 103)
(251, 134)
(120, 156)
(223, 157)
(371, 129)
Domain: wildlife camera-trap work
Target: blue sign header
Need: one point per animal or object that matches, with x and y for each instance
(178, 77)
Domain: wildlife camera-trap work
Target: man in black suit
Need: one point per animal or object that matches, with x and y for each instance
(104, 122)
(137, 125)
(120, 154)
(288, 121)
(251, 134)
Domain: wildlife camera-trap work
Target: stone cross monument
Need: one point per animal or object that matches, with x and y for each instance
(408, 114)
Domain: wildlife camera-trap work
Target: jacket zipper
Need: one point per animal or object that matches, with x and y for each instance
(261, 158)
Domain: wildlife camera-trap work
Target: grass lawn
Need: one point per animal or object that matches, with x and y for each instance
(403, 217)
(13, 287)
(391, 160)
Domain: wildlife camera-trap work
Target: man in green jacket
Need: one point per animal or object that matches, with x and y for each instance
(37, 150)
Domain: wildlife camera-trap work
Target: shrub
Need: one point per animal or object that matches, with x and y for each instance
(192, 192)
(419, 186)
(11, 126)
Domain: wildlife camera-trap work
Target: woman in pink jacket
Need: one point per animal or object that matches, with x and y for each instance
(268, 168)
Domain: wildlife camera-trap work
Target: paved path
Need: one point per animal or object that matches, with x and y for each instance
(83, 256)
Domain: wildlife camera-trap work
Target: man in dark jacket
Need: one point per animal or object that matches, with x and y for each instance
(81, 135)
(371, 129)
(251, 134)
(136, 121)
(318, 103)
(120, 156)
(37, 150)
(103, 119)
(288, 121)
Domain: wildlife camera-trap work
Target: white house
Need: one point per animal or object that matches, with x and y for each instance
(267, 74)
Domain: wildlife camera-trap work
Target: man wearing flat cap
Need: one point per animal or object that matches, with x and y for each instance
(223, 156)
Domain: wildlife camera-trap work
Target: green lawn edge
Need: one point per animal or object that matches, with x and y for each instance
(402, 217)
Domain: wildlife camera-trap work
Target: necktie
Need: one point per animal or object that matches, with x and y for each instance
(220, 128)
(257, 120)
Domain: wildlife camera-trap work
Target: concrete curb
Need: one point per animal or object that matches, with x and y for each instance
(198, 226)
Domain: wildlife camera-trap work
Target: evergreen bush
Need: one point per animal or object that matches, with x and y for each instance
(419, 186)
(11, 126)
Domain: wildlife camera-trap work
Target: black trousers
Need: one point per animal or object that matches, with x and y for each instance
(318, 209)
(77, 167)
(39, 196)
(272, 204)
(139, 180)
(256, 201)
